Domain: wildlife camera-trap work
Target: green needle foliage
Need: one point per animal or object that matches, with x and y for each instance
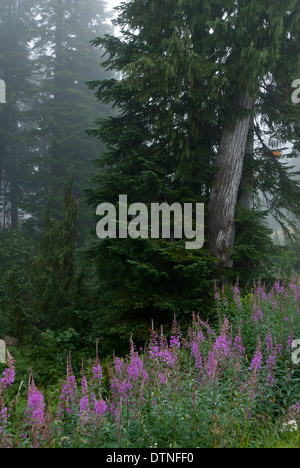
(181, 66)
(157, 151)
(16, 69)
(64, 61)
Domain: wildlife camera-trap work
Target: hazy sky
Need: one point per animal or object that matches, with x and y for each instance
(112, 3)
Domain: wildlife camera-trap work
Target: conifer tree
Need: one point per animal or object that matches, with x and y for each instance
(64, 108)
(259, 37)
(16, 32)
(152, 156)
(190, 78)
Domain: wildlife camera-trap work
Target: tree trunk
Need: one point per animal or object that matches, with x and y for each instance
(14, 212)
(223, 198)
(245, 197)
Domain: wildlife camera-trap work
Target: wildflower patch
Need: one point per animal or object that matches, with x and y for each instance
(213, 385)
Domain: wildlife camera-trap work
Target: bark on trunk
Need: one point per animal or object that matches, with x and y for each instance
(14, 213)
(223, 198)
(4, 130)
(245, 196)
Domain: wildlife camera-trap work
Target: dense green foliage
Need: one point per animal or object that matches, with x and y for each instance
(45, 59)
(146, 120)
(65, 107)
(16, 69)
(231, 385)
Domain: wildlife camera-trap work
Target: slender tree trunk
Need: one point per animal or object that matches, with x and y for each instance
(245, 196)
(57, 169)
(223, 198)
(4, 131)
(14, 213)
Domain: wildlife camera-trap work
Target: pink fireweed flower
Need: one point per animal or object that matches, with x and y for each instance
(68, 396)
(278, 288)
(256, 363)
(270, 366)
(175, 331)
(96, 379)
(257, 316)
(121, 389)
(136, 368)
(238, 346)
(84, 403)
(167, 357)
(97, 374)
(205, 325)
(163, 378)
(292, 287)
(225, 302)
(175, 342)
(3, 419)
(237, 297)
(290, 342)
(35, 405)
(163, 342)
(200, 337)
(219, 354)
(100, 408)
(223, 292)
(160, 351)
(224, 340)
(294, 412)
(119, 365)
(195, 352)
(279, 349)
(119, 382)
(222, 346)
(153, 345)
(128, 377)
(211, 366)
(251, 385)
(84, 406)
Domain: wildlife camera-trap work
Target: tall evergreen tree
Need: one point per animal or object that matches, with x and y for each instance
(64, 107)
(190, 76)
(16, 32)
(255, 38)
(153, 156)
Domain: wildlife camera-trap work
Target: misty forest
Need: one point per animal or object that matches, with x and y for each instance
(138, 341)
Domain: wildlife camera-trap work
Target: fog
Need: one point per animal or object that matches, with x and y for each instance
(113, 3)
